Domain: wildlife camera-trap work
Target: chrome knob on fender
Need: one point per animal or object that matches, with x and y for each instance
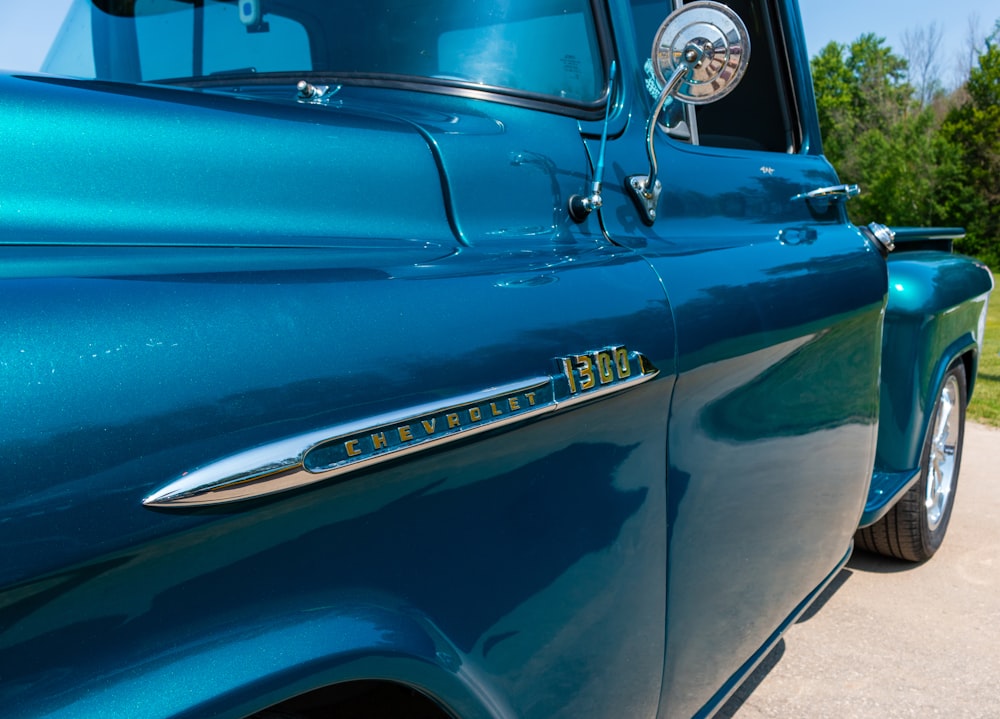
(881, 235)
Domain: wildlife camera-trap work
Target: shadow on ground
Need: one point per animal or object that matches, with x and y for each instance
(771, 660)
(753, 681)
(860, 561)
(864, 561)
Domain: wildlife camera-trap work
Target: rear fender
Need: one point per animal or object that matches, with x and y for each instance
(935, 316)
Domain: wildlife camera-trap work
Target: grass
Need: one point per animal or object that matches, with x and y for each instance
(985, 405)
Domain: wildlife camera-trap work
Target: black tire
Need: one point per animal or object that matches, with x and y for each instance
(915, 527)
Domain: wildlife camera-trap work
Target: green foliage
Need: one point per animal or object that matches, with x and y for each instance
(902, 171)
(859, 88)
(875, 133)
(834, 90)
(916, 164)
(973, 131)
(920, 165)
(985, 405)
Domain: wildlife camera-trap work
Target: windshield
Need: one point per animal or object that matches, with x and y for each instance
(536, 47)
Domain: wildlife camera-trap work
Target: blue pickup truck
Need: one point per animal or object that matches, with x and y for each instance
(445, 358)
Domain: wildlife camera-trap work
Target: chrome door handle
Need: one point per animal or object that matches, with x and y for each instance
(845, 191)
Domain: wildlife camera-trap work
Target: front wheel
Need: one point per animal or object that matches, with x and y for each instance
(915, 527)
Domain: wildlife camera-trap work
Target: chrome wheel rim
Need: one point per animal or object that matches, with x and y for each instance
(944, 444)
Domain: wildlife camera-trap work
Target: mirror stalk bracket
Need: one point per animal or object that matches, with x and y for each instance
(705, 47)
(646, 188)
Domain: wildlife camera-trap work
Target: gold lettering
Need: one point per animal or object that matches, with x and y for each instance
(568, 371)
(453, 421)
(429, 425)
(531, 398)
(604, 367)
(513, 403)
(405, 433)
(621, 363)
(475, 414)
(352, 448)
(379, 440)
(586, 367)
(493, 408)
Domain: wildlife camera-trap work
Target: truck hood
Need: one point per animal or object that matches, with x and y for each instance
(95, 162)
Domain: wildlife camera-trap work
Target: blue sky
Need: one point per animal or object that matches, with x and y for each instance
(844, 20)
(23, 40)
(825, 20)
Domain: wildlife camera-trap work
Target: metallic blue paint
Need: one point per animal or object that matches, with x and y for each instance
(778, 311)
(937, 238)
(118, 158)
(935, 317)
(186, 275)
(147, 371)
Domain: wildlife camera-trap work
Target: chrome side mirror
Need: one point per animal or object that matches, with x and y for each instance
(700, 54)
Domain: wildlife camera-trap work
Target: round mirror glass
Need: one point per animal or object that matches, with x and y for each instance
(721, 37)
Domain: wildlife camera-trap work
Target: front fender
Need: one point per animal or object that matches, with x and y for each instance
(935, 315)
(283, 656)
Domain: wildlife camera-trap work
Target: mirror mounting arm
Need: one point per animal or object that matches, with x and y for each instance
(706, 48)
(580, 206)
(646, 189)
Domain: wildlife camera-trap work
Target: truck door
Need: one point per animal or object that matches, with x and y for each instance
(778, 307)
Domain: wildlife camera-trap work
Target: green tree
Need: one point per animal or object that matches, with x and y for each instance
(859, 87)
(876, 133)
(902, 171)
(971, 192)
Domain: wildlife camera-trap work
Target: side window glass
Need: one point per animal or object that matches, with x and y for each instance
(759, 113)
